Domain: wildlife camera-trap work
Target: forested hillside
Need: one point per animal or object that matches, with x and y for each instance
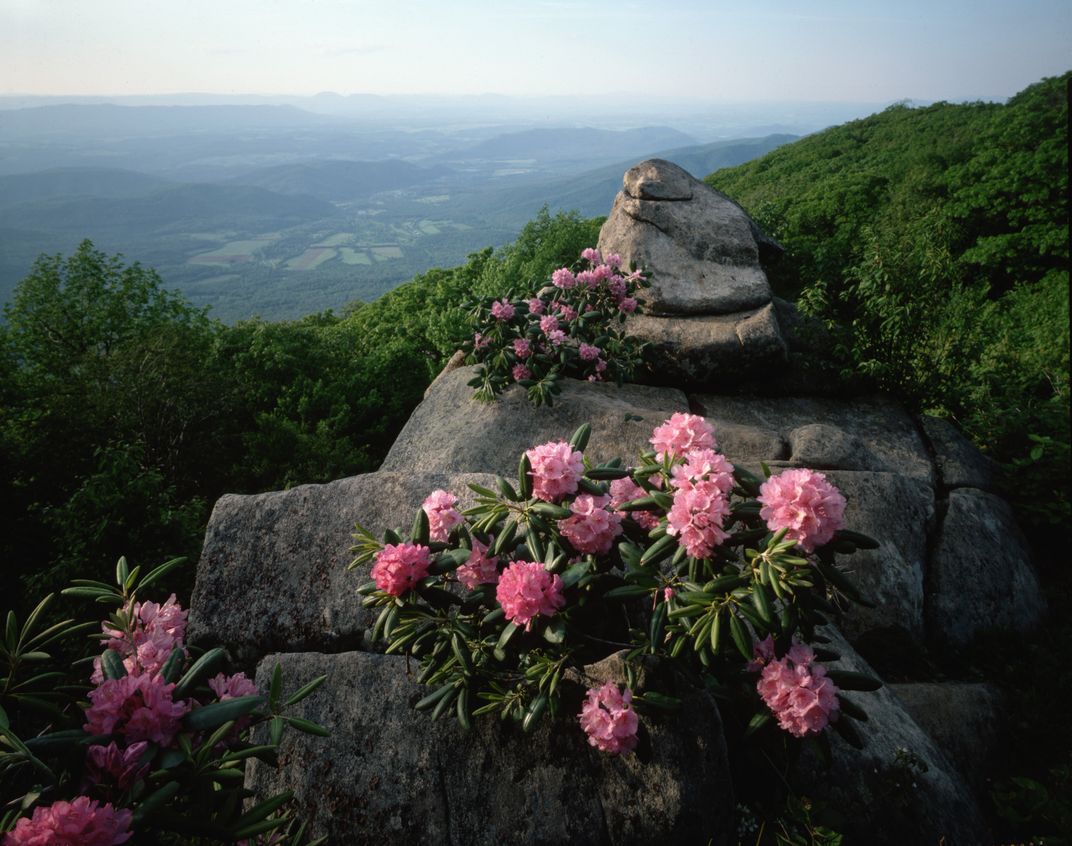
(125, 412)
(934, 243)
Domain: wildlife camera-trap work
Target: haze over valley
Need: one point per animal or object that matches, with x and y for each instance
(284, 206)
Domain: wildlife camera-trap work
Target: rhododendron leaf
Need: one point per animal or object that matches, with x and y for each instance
(445, 702)
(504, 543)
(419, 532)
(740, 636)
(112, 665)
(171, 758)
(122, 571)
(210, 716)
(201, 669)
(524, 476)
(848, 680)
(493, 615)
(556, 512)
(4, 722)
(377, 629)
(851, 709)
(838, 579)
(658, 550)
(390, 621)
(555, 632)
(504, 638)
(588, 486)
(304, 691)
(462, 709)
(159, 572)
(391, 536)
(437, 597)
(457, 646)
(715, 636)
(579, 440)
(574, 574)
(249, 832)
(658, 700)
(604, 473)
(658, 622)
(627, 592)
(762, 603)
(205, 752)
(275, 730)
(534, 712)
(264, 809)
(862, 541)
(155, 801)
(366, 588)
(757, 722)
(172, 668)
(630, 554)
(843, 547)
(307, 726)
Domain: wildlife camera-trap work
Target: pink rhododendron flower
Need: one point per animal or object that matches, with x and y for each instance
(608, 718)
(628, 305)
(442, 514)
(566, 313)
(799, 692)
(399, 567)
(556, 337)
(556, 470)
(548, 323)
(519, 372)
(479, 568)
(522, 348)
(587, 279)
(169, 618)
(668, 594)
(762, 654)
(617, 289)
(703, 465)
(158, 628)
(526, 590)
(112, 765)
(231, 687)
(613, 260)
(563, 278)
(626, 490)
(591, 255)
(696, 518)
(681, 434)
(805, 504)
(599, 274)
(479, 341)
(592, 528)
(588, 352)
(502, 310)
(135, 708)
(81, 822)
(536, 306)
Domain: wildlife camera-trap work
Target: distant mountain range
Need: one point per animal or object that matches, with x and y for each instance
(575, 144)
(340, 180)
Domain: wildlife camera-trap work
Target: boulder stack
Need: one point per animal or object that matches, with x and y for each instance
(273, 586)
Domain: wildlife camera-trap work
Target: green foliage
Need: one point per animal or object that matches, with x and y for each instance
(933, 242)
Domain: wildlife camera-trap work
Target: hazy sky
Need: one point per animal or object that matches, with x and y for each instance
(851, 50)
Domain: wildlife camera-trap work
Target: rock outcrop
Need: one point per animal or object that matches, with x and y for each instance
(273, 586)
(710, 318)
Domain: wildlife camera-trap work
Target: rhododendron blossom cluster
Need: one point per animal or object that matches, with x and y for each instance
(796, 688)
(135, 708)
(399, 567)
(526, 590)
(574, 327)
(803, 503)
(556, 470)
(609, 720)
(82, 822)
(676, 558)
(442, 514)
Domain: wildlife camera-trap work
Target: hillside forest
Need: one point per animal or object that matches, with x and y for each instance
(932, 243)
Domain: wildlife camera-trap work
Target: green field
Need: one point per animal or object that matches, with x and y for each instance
(311, 258)
(236, 252)
(351, 256)
(386, 252)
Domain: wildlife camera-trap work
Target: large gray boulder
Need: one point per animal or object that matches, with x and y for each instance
(272, 575)
(960, 464)
(899, 788)
(868, 433)
(450, 431)
(980, 574)
(390, 775)
(964, 719)
(700, 246)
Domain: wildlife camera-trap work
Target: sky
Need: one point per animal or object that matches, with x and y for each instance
(747, 50)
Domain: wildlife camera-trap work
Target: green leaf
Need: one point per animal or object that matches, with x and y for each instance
(155, 801)
(739, 634)
(420, 530)
(161, 571)
(579, 441)
(112, 665)
(307, 726)
(200, 670)
(757, 722)
(122, 572)
(535, 711)
(555, 631)
(658, 550)
(304, 691)
(504, 638)
(524, 477)
(210, 716)
(627, 592)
